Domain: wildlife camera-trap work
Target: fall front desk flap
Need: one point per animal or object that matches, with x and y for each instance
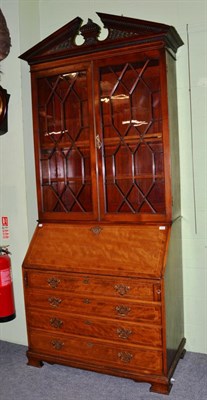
(99, 249)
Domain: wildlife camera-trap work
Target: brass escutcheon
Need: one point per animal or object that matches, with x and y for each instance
(122, 289)
(87, 322)
(86, 301)
(90, 344)
(96, 230)
(86, 280)
(26, 279)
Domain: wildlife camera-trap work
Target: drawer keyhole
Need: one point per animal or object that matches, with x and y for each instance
(86, 301)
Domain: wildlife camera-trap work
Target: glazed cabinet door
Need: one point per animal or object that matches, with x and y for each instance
(64, 143)
(130, 137)
(101, 139)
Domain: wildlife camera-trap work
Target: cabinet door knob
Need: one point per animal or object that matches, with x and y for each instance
(98, 142)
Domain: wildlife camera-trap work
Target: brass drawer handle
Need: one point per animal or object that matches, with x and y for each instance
(122, 310)
(123, 333)
(54, 301)
(56, 323)
(125, 356)
(122, 289)
(53, 282)
(57, 344)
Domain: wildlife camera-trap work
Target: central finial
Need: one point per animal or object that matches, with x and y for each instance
(90, 32)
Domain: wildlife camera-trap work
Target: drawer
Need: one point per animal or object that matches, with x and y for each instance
(96, 352)
(143, 334)
(143, 289)
(94, 305)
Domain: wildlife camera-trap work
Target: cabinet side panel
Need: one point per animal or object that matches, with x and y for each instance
(174, 293)
(174, 139)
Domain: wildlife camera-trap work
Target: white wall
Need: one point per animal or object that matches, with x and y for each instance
(17, 193)
(30, 21)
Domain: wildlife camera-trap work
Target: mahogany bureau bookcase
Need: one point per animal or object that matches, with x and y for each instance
(103, 272)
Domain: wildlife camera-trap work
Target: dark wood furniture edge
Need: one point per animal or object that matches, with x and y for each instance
(179, 355)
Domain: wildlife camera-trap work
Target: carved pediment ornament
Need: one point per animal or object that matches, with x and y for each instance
(90, 32)
(5, 40)
(121, 31)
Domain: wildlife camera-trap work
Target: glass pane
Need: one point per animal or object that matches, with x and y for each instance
(64, 143)
(131, 117)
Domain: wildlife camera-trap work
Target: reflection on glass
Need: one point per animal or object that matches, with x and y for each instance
(132, 137)
(64, 139)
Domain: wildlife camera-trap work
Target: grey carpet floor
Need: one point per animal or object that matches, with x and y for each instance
(18, 381)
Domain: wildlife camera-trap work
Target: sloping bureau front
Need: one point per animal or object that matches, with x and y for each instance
(124, 250)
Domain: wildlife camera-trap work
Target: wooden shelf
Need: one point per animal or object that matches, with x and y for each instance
(130, 178)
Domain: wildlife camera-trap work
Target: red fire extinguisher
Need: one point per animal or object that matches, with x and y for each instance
(7, 306)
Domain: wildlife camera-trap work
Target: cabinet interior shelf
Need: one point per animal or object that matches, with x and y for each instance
(108, 141)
